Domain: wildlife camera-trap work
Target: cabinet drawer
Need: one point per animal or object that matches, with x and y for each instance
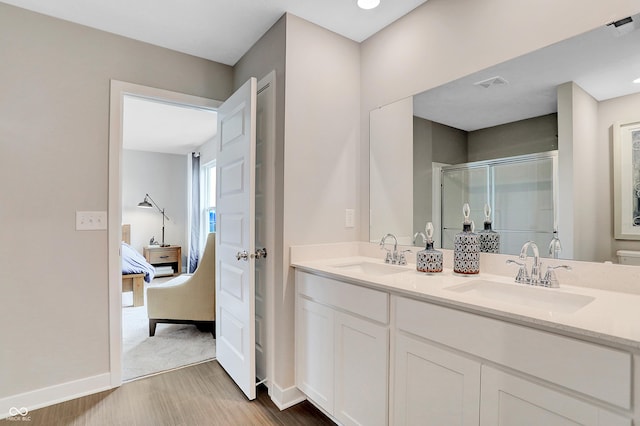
(361, 301)
(163, 255)
(592, 369)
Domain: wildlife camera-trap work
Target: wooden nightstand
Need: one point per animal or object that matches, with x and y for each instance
(165, 256)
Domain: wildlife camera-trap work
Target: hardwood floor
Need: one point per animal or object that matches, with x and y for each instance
(202, 394)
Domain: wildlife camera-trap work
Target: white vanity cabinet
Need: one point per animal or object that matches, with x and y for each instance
(455, 367)
(376, 356)
(510, 400)
(342, 348)
(314, 352)
(433, 386)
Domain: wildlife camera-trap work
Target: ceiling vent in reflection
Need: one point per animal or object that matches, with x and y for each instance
(490, 82)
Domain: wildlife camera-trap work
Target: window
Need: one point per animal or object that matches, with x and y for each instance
(209, 197)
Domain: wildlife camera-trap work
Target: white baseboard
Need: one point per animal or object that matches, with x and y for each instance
(285, 398)
(44, 397)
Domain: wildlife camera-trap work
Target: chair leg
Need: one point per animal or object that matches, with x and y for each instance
(207, 326)
(152, 327)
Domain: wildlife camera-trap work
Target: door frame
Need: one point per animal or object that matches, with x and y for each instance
(266, 97)
(114, 234)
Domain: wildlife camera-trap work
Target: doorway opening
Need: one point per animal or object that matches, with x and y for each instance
(152, 135)
(265, 175)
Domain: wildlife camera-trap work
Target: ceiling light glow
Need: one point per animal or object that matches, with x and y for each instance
(368, 4)
(637, 80)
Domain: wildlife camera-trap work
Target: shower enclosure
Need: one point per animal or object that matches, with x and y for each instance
(522, 194)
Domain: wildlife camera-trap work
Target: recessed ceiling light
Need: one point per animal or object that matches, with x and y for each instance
(637, 80)
(368, 4)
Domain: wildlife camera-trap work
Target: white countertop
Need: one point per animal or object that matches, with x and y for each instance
(612, 318)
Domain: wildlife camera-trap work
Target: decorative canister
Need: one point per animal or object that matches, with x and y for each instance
(429, 260)
(489, 239)
(466, 250)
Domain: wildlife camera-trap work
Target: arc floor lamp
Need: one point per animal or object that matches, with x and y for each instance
(147, 205)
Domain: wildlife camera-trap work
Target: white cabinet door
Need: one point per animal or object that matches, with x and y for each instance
(512, 401)
(314, 352)
(433, 386)
(361, 371)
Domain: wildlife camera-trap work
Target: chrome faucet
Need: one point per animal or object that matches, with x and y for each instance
(393, 257)
(421, 235)
(549, 279)
(534, 277)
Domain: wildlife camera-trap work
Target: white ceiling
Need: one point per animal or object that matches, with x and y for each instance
(154, 126)
(219, 30)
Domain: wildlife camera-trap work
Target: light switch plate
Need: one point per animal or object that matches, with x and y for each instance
(91, 221)
(349, 218)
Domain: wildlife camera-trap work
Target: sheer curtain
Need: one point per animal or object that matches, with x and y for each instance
(196, 216)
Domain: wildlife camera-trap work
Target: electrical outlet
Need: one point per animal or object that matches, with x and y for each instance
(349, 218)
(91, 221)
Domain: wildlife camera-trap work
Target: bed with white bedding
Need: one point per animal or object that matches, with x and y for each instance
(135, 269)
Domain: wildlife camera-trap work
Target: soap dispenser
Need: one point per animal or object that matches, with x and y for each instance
(429, 260)
(466, 250)
(489, 239)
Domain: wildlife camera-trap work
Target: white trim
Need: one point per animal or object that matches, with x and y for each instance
(270, 79)
(118, 90)
(436, 201)
(55, 394)
(285, 398)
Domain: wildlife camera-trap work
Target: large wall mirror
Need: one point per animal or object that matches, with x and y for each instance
(449, 138)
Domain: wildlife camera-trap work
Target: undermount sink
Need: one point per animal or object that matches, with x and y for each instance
(547, 299)
(370, 268)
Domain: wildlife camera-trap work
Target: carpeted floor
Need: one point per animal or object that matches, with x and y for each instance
(174, 345)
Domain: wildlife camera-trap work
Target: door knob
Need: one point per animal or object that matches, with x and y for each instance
(242, 255)
(261, 253)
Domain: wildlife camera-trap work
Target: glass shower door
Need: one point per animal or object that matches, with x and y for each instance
(462, 185)
(523, 203)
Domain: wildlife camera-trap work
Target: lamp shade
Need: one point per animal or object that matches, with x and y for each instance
(145, 204)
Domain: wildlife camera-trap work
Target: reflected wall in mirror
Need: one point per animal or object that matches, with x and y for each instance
(523, 106)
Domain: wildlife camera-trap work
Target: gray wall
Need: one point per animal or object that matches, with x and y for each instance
(54, 120)
(450, 145)
(422, 159)
(164, 178)
(538, 134)
(432, 142)
(322, 141)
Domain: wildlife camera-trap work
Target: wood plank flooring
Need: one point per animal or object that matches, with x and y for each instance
(202, 394)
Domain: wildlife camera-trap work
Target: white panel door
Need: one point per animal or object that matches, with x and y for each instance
(433, 386)
(235, 237)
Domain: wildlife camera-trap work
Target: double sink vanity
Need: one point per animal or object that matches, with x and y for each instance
(381, 344)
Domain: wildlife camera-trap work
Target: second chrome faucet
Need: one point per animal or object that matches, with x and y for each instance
(548, 280)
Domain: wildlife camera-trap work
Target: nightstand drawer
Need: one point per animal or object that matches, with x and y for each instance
(163, 255)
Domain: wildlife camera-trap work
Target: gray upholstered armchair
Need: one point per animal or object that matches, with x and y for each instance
(187, 299)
